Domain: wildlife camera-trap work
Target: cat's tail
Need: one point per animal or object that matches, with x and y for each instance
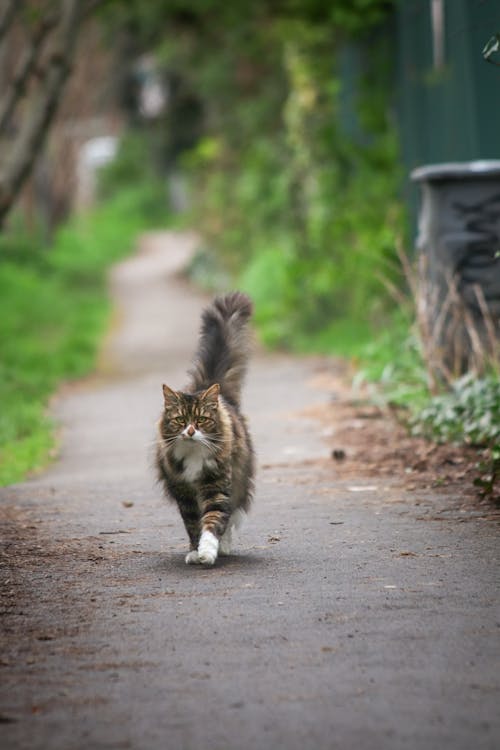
(224, 346)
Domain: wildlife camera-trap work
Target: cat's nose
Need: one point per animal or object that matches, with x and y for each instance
(190, 430)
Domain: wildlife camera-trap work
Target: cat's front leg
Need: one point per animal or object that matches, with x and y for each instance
(216, 510)
(190, 512)
(192, 557)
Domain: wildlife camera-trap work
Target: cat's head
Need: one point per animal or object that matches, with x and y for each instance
(189, 416)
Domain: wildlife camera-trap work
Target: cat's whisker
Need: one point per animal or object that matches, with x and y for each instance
(208, 444)
(220, 440)
(168, 442)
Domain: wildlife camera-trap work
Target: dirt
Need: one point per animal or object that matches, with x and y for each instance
(372, 442)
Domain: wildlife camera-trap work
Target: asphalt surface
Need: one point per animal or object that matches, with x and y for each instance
(350, 615)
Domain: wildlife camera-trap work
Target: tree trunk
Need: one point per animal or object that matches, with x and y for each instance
(7, 14)
(34, 129)
(28, 63)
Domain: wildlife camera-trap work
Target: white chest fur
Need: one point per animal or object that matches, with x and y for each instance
(195, 458)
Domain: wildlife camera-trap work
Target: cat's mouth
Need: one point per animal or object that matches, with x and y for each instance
(190, 433)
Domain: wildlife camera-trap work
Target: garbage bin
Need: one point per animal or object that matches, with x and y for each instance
(459, 244)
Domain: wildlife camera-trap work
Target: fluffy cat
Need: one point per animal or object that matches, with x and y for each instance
(204, 455)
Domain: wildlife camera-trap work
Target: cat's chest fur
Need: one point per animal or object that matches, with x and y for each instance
(195, 458)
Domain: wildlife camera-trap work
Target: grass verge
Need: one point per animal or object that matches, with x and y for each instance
(54, 310)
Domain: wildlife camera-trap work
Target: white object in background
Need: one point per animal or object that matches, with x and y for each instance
(92, 156)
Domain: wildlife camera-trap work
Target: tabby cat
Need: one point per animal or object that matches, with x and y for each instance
(204, 452)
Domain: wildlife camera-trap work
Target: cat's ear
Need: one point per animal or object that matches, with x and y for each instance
(170, 396)
(211, 395)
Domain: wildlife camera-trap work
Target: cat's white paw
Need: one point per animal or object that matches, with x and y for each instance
(208, 548)
(192, 558)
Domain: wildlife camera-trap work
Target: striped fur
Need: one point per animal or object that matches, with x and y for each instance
(204, 456)
(223, 346)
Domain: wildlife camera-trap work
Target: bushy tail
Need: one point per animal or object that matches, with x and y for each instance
(223, 347)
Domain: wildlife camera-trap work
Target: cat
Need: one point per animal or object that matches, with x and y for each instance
(204, 456)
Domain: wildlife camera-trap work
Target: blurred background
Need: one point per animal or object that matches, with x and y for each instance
(282, 131)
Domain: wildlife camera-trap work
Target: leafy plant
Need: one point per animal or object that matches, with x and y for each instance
(469, 413)
(303, 211)
(410, 370)
(489, 473)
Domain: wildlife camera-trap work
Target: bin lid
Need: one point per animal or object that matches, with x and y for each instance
(457, 170)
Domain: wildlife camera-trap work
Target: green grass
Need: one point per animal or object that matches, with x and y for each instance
(54, 310)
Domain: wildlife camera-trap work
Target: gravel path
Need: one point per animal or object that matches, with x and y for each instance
(353, 614)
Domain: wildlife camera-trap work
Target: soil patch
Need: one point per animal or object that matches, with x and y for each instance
(369, 442)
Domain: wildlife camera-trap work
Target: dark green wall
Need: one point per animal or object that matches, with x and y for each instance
(451, 114)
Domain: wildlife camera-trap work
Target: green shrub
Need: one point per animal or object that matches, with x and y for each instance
(304, 212)
(468, 413)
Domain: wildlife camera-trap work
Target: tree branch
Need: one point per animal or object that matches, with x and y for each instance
(36, 124)
(23, 73)
(93, 5)
(7, 14)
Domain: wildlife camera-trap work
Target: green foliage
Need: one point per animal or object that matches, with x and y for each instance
(134, 165)
(295, 182)
(489, 473)
(468, 413)
(303, 212)
(53, 311)
(392, 361)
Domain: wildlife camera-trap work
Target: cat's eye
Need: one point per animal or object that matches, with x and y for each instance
(177, 420)
(204, 420)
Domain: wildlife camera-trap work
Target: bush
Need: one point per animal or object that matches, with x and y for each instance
(468, 413)
(295, 190)
(464, 410)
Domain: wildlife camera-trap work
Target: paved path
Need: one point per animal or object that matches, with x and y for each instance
(342, 620)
